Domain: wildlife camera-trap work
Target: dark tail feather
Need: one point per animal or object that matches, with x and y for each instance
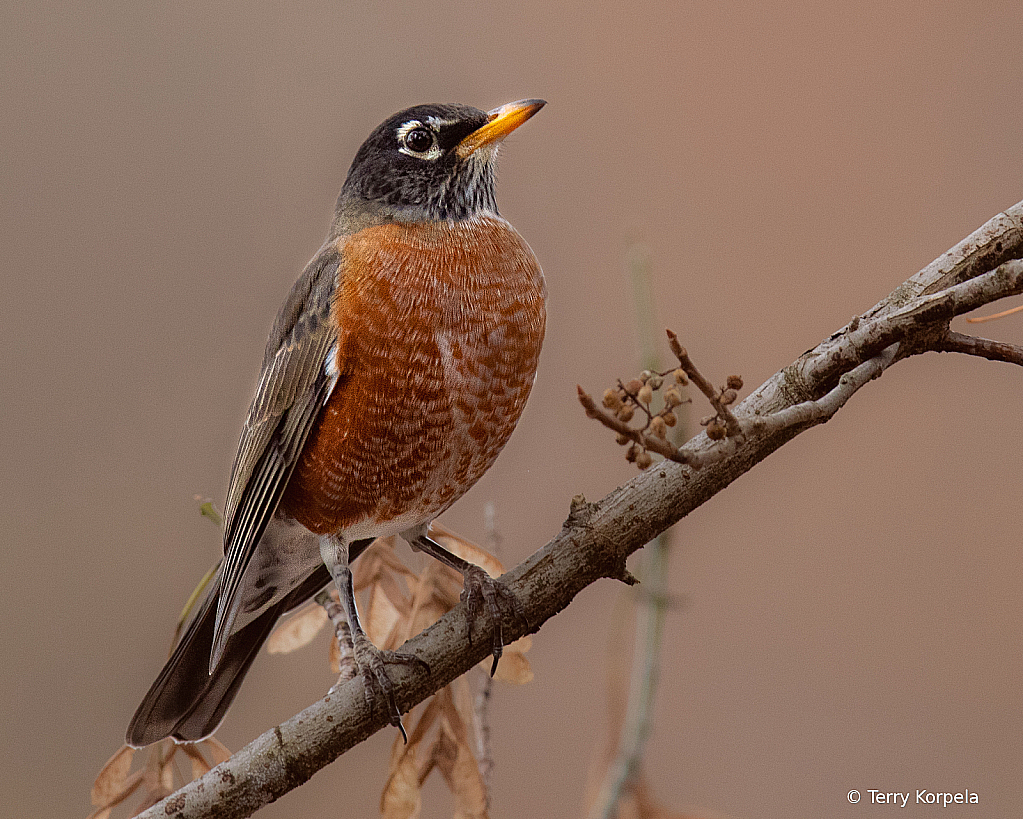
(189, 703)
(186, 701)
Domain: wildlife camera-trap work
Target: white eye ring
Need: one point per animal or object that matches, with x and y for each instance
(432, 153)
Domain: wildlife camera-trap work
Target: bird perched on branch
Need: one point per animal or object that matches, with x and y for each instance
(394, 374)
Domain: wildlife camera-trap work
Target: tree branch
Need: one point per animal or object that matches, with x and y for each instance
(597, 538)
(983, 347)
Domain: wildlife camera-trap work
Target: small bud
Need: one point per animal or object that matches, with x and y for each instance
(734, 382)
(680, 376)
(632, 452)
(715, 431)
(622, 439)
(644, 459)
(728, 397)
(634, 386)
(625, 413)
(655, 381)
(669, 418)
(672, 397)
(646, 395)
(658, 427)
(645, 376)
(611, 399)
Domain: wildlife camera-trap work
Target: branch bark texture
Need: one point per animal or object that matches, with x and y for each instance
(596, 539)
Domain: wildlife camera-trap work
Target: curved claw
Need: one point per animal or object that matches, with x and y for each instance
(481, 589)
(373, 663)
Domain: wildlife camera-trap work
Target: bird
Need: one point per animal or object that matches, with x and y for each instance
(394, 374)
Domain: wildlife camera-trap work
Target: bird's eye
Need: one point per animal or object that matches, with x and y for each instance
(419, 140)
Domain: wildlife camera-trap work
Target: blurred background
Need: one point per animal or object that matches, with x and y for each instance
(852, 606)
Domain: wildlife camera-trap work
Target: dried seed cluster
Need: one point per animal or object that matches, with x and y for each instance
(622, 403)
(637, 394)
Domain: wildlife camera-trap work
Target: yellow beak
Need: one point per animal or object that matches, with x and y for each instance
(502, 122)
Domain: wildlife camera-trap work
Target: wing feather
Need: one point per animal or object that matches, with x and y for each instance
(297, 379)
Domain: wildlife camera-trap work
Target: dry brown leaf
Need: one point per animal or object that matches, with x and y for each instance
(466, 784)
(112, 777)
(384, 616)
(402, 797)
(471, 693)
(428, 603)
(200, 767)
(420, 720)
(394, 586)
(453, 725)
(131, 784)
(156, 779)
(380, 558)
(466, 549)
(639, 803)
(457, 763)
(450, 719)
(219, 752)
(397, 590)
(448, 585)
(298, 630)
(152, 797)
(158, 775)
(402, 794)
(334, 656)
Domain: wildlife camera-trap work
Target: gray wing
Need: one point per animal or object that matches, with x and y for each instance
(293, 387)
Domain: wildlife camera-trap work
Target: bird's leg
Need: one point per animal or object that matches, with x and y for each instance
(480, 589)
(371, 660)
(347, 666)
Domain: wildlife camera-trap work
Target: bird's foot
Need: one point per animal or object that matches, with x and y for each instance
(482, 591)
(372, 663)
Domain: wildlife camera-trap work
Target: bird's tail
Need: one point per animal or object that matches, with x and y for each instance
(187, 701)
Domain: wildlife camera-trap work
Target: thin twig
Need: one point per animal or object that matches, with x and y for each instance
(985, 348)
(995, 316)
(715, 397)
(481, 687)
(822, 409)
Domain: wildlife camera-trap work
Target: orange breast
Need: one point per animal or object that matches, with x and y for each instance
(440, 328)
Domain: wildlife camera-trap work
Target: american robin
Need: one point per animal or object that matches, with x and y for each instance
(394, 374)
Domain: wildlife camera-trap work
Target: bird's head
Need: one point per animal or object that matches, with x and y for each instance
(430, 162)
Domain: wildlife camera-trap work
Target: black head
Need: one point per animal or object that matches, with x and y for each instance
(428, 162)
